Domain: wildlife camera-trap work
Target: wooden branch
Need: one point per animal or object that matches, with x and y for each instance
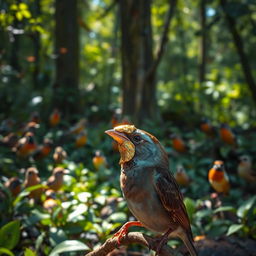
(132, 237)
(164, 39)
(108, 9)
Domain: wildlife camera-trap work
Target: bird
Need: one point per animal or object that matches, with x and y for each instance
(9, 140)
(43, 150)
(29, 127)
(181, 176)
(78, 127)
(54, 118)
(99, 160)
(81, 139)
(55, 181)
(218, 177)
(227, 135)
(14, 185)
(151, 192)
(25, 146)
(245, 169)
(207, 127)
(50, 202)
(59, 155)
(178, 143)
(32, 179)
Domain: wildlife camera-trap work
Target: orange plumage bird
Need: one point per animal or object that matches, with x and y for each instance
(181, 176)
(54, 118)
(178, 144)
(99, 161)
(43, 150)
(25, 145)
(14, 185)
(59, 155)
(207, 128)
(227, 135)
(218, 177)
(55, 182)
(78, 127)
(81, 139)
(31, 179)
(50, 202)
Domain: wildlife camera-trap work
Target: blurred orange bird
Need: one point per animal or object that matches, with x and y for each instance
(207, 128)
(227, 135)
(25, 145)
(14, 185)
(81, 139)
(181, 176)
(218, 177)
(43, 150)
(99, 160)
(178, 144)
(78, 127)
(245, 169)
(31, 179)
(55, 182)
(54, 118)
(59, 155)
(50, 202)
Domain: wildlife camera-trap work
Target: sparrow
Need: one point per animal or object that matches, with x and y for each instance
(55, 181)
(178, 144)
(81, 139)
(31, 179)
(245, 169)
(207, 127)
(181, 176)
(151, 192)
(43, 150)
(14, 185)
(218, 177)
(227, 135)
(99, 160)
(54, 118)
(25, 146)
(59, 155)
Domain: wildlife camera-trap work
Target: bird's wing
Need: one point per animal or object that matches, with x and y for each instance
(171, 198)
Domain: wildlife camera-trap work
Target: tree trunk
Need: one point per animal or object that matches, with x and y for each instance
(240, 50)
(67, 52)
(202, 65)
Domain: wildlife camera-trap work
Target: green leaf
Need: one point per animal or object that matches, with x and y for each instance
(225, 209)
(234, 228)
(10, 234)
(69, 246)
(5, 251)
(190, 206)
(245, 207)
(29, 252)
(118, 217)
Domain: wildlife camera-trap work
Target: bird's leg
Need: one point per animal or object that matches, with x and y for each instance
(124, 229)
(163, 240)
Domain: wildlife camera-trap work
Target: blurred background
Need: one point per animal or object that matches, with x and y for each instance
(69, 70)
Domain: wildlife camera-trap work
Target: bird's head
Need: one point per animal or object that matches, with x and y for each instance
(59, 172)
(138, 146)
(218, 165)
(31, 173)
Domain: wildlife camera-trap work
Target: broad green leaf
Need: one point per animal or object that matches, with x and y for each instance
(29, 252)
(10, 234)
(244, 208)
(118, 217)
(69, 246)
(234, 228)
(5, 251)
(190, 206)
(225, 209)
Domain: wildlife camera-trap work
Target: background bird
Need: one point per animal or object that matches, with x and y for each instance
(182, 177)
(55, 181)
(178, 143)
(245, 169)
(14, 185)
(218, 177)
(43, 150)
(54, 118)
(149, 188)
(227, 135)
(207, 127)
(99, 160)
(81, 139)
(59, 155)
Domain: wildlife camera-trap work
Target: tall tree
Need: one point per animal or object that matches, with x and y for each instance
(202, 65)
(67, 52)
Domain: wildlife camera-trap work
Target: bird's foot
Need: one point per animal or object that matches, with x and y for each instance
(124, 230)
(162, 241)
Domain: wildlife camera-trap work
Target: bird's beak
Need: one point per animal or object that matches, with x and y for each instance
(119, 137)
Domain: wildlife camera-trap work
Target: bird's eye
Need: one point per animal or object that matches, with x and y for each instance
(136, 138)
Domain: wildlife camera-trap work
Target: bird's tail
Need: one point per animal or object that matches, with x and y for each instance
(188, 241)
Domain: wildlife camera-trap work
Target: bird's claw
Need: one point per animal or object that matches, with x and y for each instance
(120, 234)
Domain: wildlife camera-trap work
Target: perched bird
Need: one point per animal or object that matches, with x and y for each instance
(78, 127)
(99, 160)
(245, 169)
(14, 185)
(54, 118)
(25, 145)
(207, 127)
(55, 182)
(227, 135)
(178, 144)
(29, 127)
(149, 188)
(181, 176)
(50, 202)
(81, 139)
(43, 150)
(31, 179)
(218, 177)
(59, 155)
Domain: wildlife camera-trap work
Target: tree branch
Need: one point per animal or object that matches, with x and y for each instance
(164, 39)
(108, 9)
(132, 237)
